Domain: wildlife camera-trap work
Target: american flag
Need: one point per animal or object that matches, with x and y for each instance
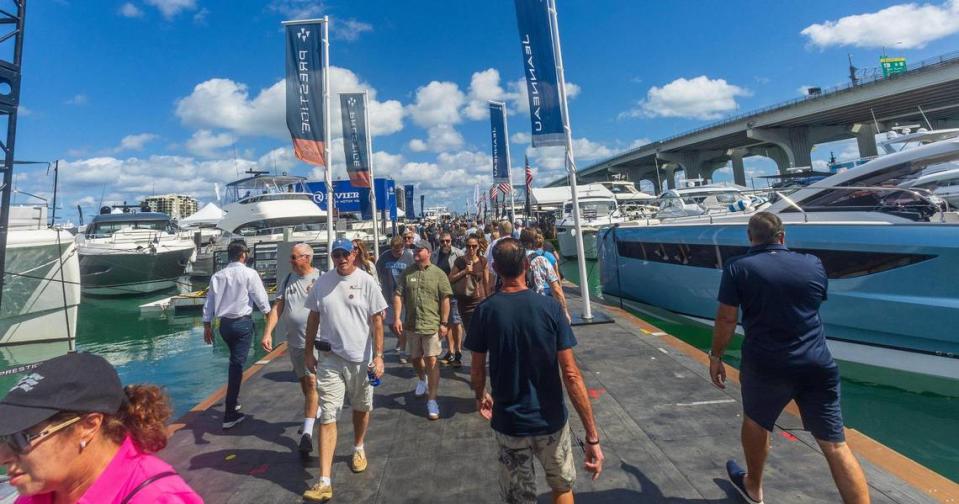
(529, 173)
(506, 188)
(492, 193)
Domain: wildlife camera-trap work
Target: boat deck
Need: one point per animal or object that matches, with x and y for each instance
(667, 433)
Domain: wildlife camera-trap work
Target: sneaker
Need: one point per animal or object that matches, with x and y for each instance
(420, 387)
(403, 359)
(737, 476)
(358, 464)
(306, 444)
(237, 408)
(398, 349)
(447, 359)
(433, 410)
(319, 493)
(458, 360)
(230, 421)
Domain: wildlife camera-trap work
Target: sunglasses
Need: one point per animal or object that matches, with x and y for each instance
(23, 441)
(339, 254)
(472, 246)
(297, 256)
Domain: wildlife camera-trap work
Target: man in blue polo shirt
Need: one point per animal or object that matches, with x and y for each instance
(784, 355)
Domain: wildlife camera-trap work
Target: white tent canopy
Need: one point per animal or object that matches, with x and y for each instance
(210, 214)
(556, 196)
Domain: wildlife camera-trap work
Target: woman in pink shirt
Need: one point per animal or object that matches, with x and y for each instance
(70, 433)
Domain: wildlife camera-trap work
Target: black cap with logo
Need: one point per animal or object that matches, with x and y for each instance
(81, 382)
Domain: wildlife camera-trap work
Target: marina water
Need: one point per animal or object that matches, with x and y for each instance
(170, 351)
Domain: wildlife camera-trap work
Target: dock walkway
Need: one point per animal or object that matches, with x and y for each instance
(666, 433)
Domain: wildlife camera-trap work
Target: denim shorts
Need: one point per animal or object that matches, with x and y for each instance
(815, 390)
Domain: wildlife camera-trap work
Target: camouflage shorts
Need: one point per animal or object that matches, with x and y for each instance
(517, 478)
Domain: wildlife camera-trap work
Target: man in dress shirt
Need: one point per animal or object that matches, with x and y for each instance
(231, 296)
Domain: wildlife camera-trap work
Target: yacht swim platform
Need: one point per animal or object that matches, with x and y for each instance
(666, 433)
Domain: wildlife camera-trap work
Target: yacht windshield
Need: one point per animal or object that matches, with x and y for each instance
(592, 209)
(264, 187)
(105, 229)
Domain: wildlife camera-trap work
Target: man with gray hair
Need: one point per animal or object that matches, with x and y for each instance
(290, 307)
(505, 228)
(784, 356)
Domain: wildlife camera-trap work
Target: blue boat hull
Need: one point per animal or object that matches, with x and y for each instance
(893, 288)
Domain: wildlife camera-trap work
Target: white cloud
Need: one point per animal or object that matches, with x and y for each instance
(698, 98)
(130, 10)
(639, 142)
(520, 137)
(437, 103)
(297, 9)
(78, 99)
(350, 29)
(441, 138)
(135, 142)
(282, 158)
(908, 25)
(205, 143)
(226, 104)
(484, 86)
(553, 158)
(170, 8)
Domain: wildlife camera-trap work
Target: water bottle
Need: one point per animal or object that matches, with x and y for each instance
(374, 381)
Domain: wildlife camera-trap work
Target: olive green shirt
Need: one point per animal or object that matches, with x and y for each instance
(422, 292)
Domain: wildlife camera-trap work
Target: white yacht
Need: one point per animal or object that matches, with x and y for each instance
(123, 253)
(698, 200)
(41, 289)
(595, 212)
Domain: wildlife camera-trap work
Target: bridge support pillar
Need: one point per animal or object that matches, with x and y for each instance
(798, 142)
(692, 162)
(739, 169)
(866, 139)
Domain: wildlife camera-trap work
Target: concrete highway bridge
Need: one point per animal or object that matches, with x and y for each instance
(787, 132)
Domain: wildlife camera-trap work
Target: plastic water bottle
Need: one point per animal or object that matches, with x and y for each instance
(374, 381)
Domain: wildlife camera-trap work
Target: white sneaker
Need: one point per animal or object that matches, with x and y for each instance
(420, 387)
(433, 410)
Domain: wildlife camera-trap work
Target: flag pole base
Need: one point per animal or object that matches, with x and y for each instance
(597, 318)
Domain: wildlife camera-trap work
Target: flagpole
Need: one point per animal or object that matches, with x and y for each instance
(330, 203)
(509, 168)
(570, 161)
(369, 157)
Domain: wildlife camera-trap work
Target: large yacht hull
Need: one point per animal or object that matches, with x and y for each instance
(567, 242)
(41, 288)
(893, 289)
(114, 272)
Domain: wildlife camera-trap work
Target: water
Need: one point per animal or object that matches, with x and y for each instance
(920, 425)
(167, 351)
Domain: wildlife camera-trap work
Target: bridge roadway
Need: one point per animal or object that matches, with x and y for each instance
(787, 132)
(666, 432)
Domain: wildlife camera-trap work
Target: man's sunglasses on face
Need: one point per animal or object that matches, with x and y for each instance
(339, 254)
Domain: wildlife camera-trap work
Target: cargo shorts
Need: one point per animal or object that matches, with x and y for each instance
(517, 477)
(336, 378)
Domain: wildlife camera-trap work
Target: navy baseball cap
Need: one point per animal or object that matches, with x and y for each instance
(81, 382)
(342, 244)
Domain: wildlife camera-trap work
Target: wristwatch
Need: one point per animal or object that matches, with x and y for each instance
(379, 354)
(714, 356)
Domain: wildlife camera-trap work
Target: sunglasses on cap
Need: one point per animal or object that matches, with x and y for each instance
(340, 254)
(23, 441)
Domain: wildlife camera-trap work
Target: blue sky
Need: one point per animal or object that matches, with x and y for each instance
(143, 96)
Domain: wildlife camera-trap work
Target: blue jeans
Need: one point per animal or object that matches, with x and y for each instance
(238, 335)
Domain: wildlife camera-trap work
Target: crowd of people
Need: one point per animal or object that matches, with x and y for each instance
(70, 432)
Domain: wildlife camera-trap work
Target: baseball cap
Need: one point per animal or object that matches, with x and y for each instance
(82, 382)
(423, 244)
(342, 244)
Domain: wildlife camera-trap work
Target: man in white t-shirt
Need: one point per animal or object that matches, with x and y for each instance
(345, 304)
(290, 307)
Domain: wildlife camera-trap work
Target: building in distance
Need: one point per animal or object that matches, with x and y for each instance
(177, 206)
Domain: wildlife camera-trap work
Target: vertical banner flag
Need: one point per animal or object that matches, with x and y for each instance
(355, 138)
(497, 119)
(545, 114)
(304, 90)
(422, 204)
(529, 185)
(410, 214)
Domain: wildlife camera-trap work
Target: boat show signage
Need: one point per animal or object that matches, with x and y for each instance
(410, 214)
(539, 62)
(497, 119)
(351, 199)
(304, 90)
(355, 138)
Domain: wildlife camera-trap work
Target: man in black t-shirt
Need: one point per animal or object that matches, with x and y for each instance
(530, 347)
(784, 355)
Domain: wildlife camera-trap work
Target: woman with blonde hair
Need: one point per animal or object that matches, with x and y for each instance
(70, 432)
(362, 258)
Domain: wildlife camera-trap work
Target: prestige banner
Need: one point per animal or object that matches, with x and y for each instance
(304, 90)
(539, 64)
(497, 119)
(355, 138)
(410, 214)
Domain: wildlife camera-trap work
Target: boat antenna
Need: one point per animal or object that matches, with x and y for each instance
(874, 121)
(235, 167)
(102, 190)
(924, 118)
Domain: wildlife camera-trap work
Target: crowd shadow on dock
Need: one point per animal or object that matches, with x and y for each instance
(648, 492)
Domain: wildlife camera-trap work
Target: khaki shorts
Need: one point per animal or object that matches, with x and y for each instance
(423, 345)
(298, 358)
(517, 478)
(335, 378)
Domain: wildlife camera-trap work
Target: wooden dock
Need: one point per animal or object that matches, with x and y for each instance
(666, 431)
